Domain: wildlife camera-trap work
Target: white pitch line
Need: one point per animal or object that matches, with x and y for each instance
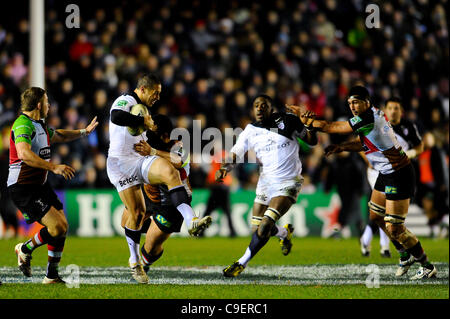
(352, 274)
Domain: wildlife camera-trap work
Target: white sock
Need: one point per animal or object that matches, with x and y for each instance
(134, 250)
(187, 212)
(246, 258)
(384, 240)
(367, 236)
(282, 232)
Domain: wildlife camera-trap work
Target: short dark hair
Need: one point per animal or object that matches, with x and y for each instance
(149, 80)
(163, 123)
(359, 92)
(30, 98)
(394, 99)
(264, 96)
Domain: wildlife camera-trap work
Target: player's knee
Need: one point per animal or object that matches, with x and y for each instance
(59, 229)
(265, 227)
(396, 231)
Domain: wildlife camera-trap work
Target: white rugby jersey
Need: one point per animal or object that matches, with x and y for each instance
(380, 144)
(275, 144)
(121, 142)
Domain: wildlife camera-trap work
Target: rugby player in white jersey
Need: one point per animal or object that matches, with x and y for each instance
(408, 136)
(396, 181)
(273, 138)
(128, 170)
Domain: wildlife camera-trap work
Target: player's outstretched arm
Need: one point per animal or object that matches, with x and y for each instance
(25, 154)
(309, 120)
(62, 136)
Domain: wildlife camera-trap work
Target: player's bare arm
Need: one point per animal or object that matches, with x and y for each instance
(25, 154)
(62, 136)
(415, 151)
(144, 149)
(351, 146)
(308, 119)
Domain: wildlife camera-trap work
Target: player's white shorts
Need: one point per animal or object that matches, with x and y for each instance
(124, 172)
(270, 188)
(372, 176)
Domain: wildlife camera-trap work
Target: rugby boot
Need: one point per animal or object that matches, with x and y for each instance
(138, 273)
(23, 260)
(404, 266)
(56, 280)
(198, 225)
(233, 270)
(286, 243)
(425, 273)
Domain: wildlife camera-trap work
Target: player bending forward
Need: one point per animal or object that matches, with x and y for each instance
(162, 217)
(29, 164)
(396, 181)
(273, 137)
(128, 170)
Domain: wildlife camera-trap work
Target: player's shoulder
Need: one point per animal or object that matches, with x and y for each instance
(22, 121)
(124, 100)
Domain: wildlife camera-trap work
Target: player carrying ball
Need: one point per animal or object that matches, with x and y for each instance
(396, 181)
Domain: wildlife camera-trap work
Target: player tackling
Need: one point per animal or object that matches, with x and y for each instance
(128, 170)
(273, 137)
(396, 181)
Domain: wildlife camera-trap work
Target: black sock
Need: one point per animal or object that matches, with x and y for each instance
(257, 243)
(419, 254)
(148, 258)
(274, 230)
(178, 196)
(135, 235)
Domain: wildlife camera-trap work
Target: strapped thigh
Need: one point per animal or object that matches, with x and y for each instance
(377, 209)
(273, 214)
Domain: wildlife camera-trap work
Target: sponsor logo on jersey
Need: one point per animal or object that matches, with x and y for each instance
(390, 190)
(163, 221)
(44, 153)
(128, 180)
(355, 120)
(280, 124)
(122, 103)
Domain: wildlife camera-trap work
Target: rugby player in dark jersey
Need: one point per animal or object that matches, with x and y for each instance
(29, 164)
(395, 184)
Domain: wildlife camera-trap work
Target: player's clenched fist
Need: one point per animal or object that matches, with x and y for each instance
(65, 170)
(308, 118)
(220, 174)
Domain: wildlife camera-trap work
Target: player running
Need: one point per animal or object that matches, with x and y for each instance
(128, 170)
(29, 164)
(411, 142)
(162, 217)
(273, 137)
(395, 184)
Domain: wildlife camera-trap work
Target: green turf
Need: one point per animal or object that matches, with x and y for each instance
(104, 252)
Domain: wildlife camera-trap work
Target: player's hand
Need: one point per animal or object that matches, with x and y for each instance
(65, 170)
(294, 109)
(143, 148)
(332, 149)
(308, 118)
(149, 123)
(91, 127)
(220, 174)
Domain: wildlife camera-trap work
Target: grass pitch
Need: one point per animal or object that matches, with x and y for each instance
(316, 269)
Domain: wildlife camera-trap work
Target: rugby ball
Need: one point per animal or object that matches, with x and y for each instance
(139, 110)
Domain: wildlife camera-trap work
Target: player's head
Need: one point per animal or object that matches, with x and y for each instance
(33, 99)
(262, 107)
(164, 127)
(394, 110)
(149, 89)
(358, 99)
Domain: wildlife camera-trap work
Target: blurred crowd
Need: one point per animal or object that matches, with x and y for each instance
(214, 57)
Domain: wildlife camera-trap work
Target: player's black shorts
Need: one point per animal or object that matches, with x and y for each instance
(34, 201)
(398, 185)
(166, 217)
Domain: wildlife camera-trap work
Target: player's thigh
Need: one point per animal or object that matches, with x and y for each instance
(155, 238)
(281, 204)
(397, 208)
(259, 209)
(55, 221)
(133, 199)
(162, 171)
